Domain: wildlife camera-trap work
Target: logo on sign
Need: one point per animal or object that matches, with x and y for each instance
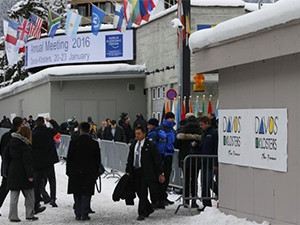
(96, 19)
(232, 125)
(114, 45)
(266, 127)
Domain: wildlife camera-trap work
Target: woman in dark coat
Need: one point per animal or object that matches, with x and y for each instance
(19, 171)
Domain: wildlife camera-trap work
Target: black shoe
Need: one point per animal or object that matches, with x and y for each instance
(32, 218)
(39, 209)
(53, 204)
(13, 220)
(91, 211)
(140, 217)
(194, 205)
(86, 218)
(77, 218)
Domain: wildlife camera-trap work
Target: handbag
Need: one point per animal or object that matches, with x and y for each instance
(101, 171)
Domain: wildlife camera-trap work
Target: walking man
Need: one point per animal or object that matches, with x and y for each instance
(83, 162)
(144, 167)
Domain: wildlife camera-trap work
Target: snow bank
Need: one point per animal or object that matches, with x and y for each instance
(277, 13)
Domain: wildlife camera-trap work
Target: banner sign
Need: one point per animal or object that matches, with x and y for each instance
(254, 137)
(84, 48)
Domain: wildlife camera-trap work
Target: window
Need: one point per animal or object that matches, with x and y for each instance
(153, 93)
(82, 9)
(158, 93)
(153, 115)
(158, 116)
(163, 91)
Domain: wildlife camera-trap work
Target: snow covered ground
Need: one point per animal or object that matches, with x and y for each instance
(109, 212)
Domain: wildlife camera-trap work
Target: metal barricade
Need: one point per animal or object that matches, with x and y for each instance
(114, 156)
(206, 167)
(176, 177)
(62, 150)
(3, 131)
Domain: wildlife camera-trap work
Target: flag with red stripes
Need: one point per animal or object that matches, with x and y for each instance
(23, 29)
(12, 33)
(35, 28)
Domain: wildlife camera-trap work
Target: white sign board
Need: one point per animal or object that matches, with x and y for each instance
(85, 48)
(254, 137)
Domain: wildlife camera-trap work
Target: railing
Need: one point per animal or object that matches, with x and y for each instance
(206, 167)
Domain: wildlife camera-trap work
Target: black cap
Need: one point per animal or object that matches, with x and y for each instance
(169, 115)
(153, 121)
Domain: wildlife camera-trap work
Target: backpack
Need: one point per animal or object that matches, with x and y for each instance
(160, 139)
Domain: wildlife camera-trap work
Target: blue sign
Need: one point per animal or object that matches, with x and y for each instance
(202, 26)
(114, 45)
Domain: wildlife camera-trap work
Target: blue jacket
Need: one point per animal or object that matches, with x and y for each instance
(167, 127)
(159, 137)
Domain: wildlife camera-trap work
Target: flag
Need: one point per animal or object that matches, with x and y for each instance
(190, 106)
(72, 24)
(136, 15)
(183, 109)
(217, 109)
(196, 107)
(151, 5)
(203, 105)
(167, 106)
(209, 108)
(10, 29)
(96, 19)
(35, 27)
(53, 23)
(127, 10)
(119, 21)
(11, 32)
(23, 29)
(173, 107)
(144, 10)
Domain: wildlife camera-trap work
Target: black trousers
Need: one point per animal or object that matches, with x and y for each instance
(39, 176)
(167, 166)
(3, 191)
(82, 205)
(141, 185)
(207, 184)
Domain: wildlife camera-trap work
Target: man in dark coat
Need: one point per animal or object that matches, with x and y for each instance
(114, 132)
(144, 167)
(44, 156)
(83, 162)
(209, 147)
(188, 134)
(5, 139)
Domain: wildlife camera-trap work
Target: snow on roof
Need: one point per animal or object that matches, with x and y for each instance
(73, 70)
(278, 13)
(254, 6)
(225, 3)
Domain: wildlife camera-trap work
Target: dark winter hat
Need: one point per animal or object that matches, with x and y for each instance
(169, 115)
(153, 121)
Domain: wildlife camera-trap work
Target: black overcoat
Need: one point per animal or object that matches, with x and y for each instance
(83, 162)
(18, 158)
(44, 151)
(150, 160)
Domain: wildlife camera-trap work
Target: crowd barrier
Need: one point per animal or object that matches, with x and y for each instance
(203, 168)
(3, 131)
